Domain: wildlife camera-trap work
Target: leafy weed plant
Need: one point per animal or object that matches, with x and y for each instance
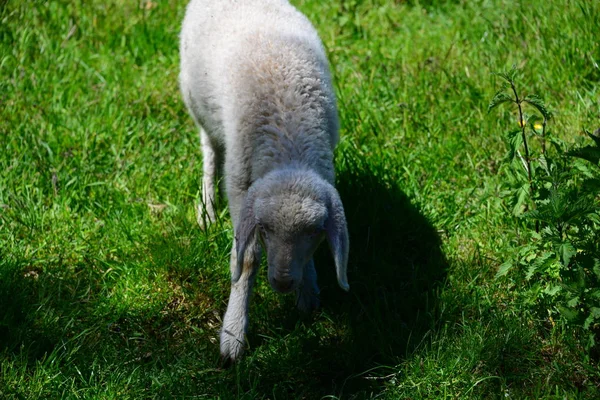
(558, 198)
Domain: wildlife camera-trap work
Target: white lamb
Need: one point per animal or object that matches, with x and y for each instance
(255, 78)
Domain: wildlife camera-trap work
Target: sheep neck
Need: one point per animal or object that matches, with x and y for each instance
(289, 118)
(276, 147)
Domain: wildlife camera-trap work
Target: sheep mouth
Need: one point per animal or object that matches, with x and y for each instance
(283, 286)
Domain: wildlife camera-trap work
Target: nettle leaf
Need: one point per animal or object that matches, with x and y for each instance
(595, 137)
(557, 204)
(530, 257)
(528, 250)
(566, 252)
(521, 196)
(579, 208)
(584, 169)
(589, 153)
(594, 315)
(558, 144)
(537, 102)
(573, 302)
(531, 270)
(515, 139)
(591, 343)
(594, 217)
(552, 289)
(515, 177)
(561, 208)
(500, 97)
(504, 268)
(510, 75)
(569, 314)
(545, 165)
(544, 260)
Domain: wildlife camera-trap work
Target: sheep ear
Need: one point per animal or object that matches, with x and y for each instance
(244, 235)
(337, 236)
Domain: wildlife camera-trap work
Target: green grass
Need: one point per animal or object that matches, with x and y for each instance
(108, 289)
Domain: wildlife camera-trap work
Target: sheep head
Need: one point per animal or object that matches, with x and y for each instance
(291, 211)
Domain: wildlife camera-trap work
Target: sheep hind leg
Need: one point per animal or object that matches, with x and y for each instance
(206, 208)
(235, 321)
(307, 295)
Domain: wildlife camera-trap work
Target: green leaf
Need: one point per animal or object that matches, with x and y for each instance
(543, 163)
(562, 209)
(544, 260)
(594, 217)
(566, 252)
(537, 102)
(499, 98)
(591, 341)
(589, 153)
(520, 198)
(515, 140)
(573, 302)
(594, 315)
(558, 144)
(552, 289)
(568, 313)
(510, 75)
(504, 268)
(530, 271)
(595, 137)
(584, 169)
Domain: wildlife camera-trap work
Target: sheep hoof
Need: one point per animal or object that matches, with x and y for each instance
(307, 300)
(232, 347)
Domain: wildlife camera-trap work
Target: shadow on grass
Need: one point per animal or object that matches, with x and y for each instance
(396, 266)
(58, 319)
(16, 314)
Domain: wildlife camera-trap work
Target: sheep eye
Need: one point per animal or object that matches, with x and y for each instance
(262, 228)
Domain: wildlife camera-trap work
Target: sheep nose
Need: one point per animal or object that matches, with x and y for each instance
(282, 285)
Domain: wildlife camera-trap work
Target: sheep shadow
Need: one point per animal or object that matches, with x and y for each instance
(395, 273)
(396, 267)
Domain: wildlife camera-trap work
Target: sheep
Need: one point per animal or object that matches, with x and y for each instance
(255, 78)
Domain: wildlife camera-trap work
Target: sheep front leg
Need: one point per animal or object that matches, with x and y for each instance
(206, 208)
(307, 295)
(235, 321)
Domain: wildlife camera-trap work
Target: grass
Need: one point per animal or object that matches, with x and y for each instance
(108, 289)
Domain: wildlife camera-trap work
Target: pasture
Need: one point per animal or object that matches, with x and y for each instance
(109, 289)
